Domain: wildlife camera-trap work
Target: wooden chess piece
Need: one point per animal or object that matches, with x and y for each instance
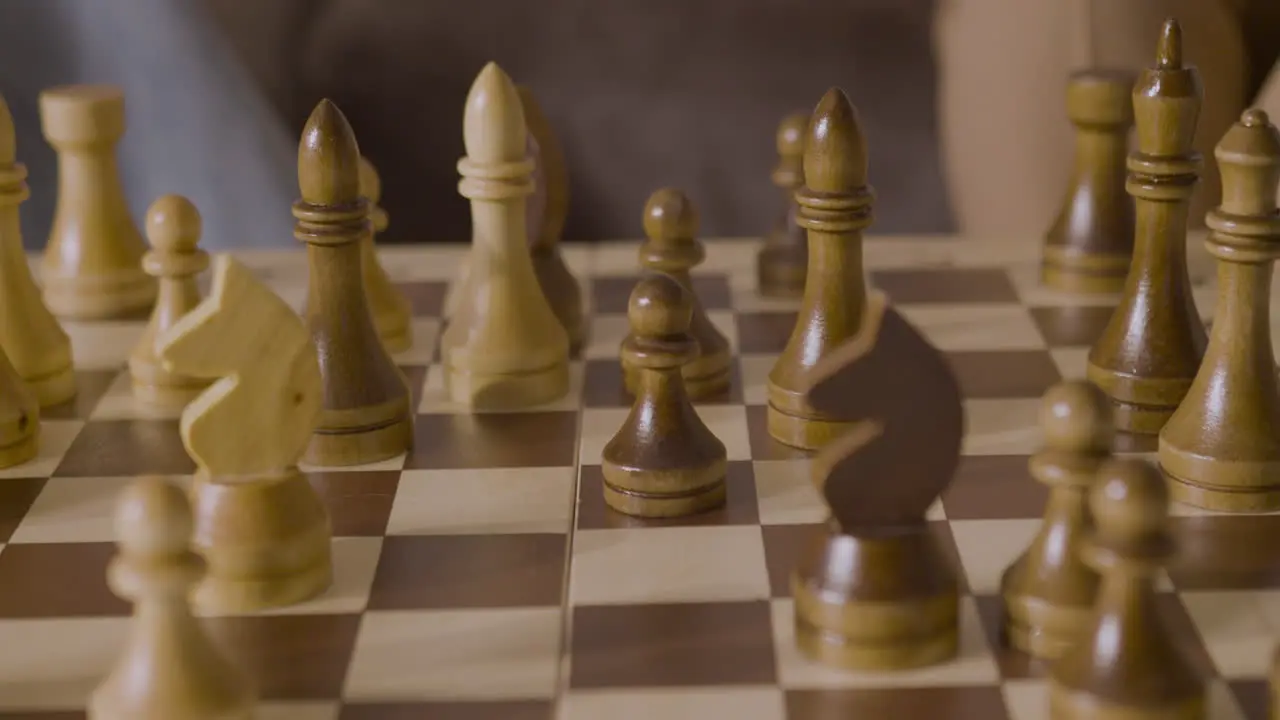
(259, 523)
(1048, 592)
(503, 347)
(367, 414)
(92, 264)
(388, 306)
(19, 417)
(834, 208)
(1273, 683)
(663, 461)
(1151, 348)
(1221, 448)
(874, 591)
(175, 260)
(1126, 665)
(170, 668)
(1089, 247)
(548, 209)
(781, 263)
(34, 341)
(672, 247)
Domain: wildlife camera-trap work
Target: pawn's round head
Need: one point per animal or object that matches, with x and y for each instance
(791, 134)
(153, 519)
(1129, 499)
(370, 183)
(173, 224)
(670, 218)
(1075, 416)
(659, 307)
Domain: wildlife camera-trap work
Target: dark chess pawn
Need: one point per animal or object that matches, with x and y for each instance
(663, 461)
(782, 264)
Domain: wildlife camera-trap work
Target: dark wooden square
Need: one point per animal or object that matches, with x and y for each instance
(994, 487)
(359, 502)
(51, 580)
(289, 657)
(119, 448)
(945, 285)
(91, 385)
(988, 375)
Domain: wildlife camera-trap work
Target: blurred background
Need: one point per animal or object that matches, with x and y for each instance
(642, 94)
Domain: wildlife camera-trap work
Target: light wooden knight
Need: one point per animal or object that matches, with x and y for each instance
(259, 523)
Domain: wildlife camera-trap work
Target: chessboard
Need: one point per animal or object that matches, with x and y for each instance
(482, 576)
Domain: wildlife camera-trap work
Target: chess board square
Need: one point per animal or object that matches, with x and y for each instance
(126, 447)
(973, 664)
(987, 547)
(945, 285)
(1025, 277)
(1234, 630)
(56, 437)
(994, 487)
(726, 422)
(119, 403)
(668, 564)
(672, 645)
(359, 502)
(90, 387)
(1003, 374)
(934, 703)
(738, 703)
(483, 502)
(1072, 325)
(1253, 698)
(787, 494)
(16, 497)
(426, 297)
(48, 580)
(783, 544)
(739, 509)
(605, 338)
(425, 333)
(469, 571)
(611, 293)
(434, 398)
(449, 710)
(754, 371)
(603, 387)
(55, 664)
(763, 446)
(1226, 552)
(298, 710)
(1002, 427)
(493, 440)
(416, 377)
(972, 327)
(76, 510)
(289, 657)
(765, 333)
(102, 344)
(456, 655)
(1071, 362)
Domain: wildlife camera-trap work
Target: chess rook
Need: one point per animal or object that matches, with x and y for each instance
(1089, 247)
(1151, 348)
(1126, 665)
(173, 226)
(834, 208)
(1221, 448)
(34, 341)
(170, 668)
(92, 263)
(548, 208)
(781, 262)
(672, 247)
(503, 347)
(367, 415)
(388, 306)
(1048, 592)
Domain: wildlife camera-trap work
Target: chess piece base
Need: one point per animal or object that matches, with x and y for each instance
(156, 388)
(123, 294)
(396, 338)
(53, 388)
(1068, 704)
(343, 438)
(707, 492)
(507, 391)
(1130, 414)
(1074, 272)
(780, 273)
(266, 541)
(803, 432)
(23, 450)
(1042, 629)
(883, 602)
(702, 380)
(1239, 485)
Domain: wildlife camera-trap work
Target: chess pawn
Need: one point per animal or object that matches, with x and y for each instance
(389, 307)
(1049, 592)
(34, 341)
(781, 263)
(671, 225)
(1221, 448)
(170, 668)
(1150, 350)
(19, 417)
(663, 461)
(173, 227)
(1090, 244)
(504, 348)
(92, 264)
(548, 208)
(834, 208)
(1127, 665)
